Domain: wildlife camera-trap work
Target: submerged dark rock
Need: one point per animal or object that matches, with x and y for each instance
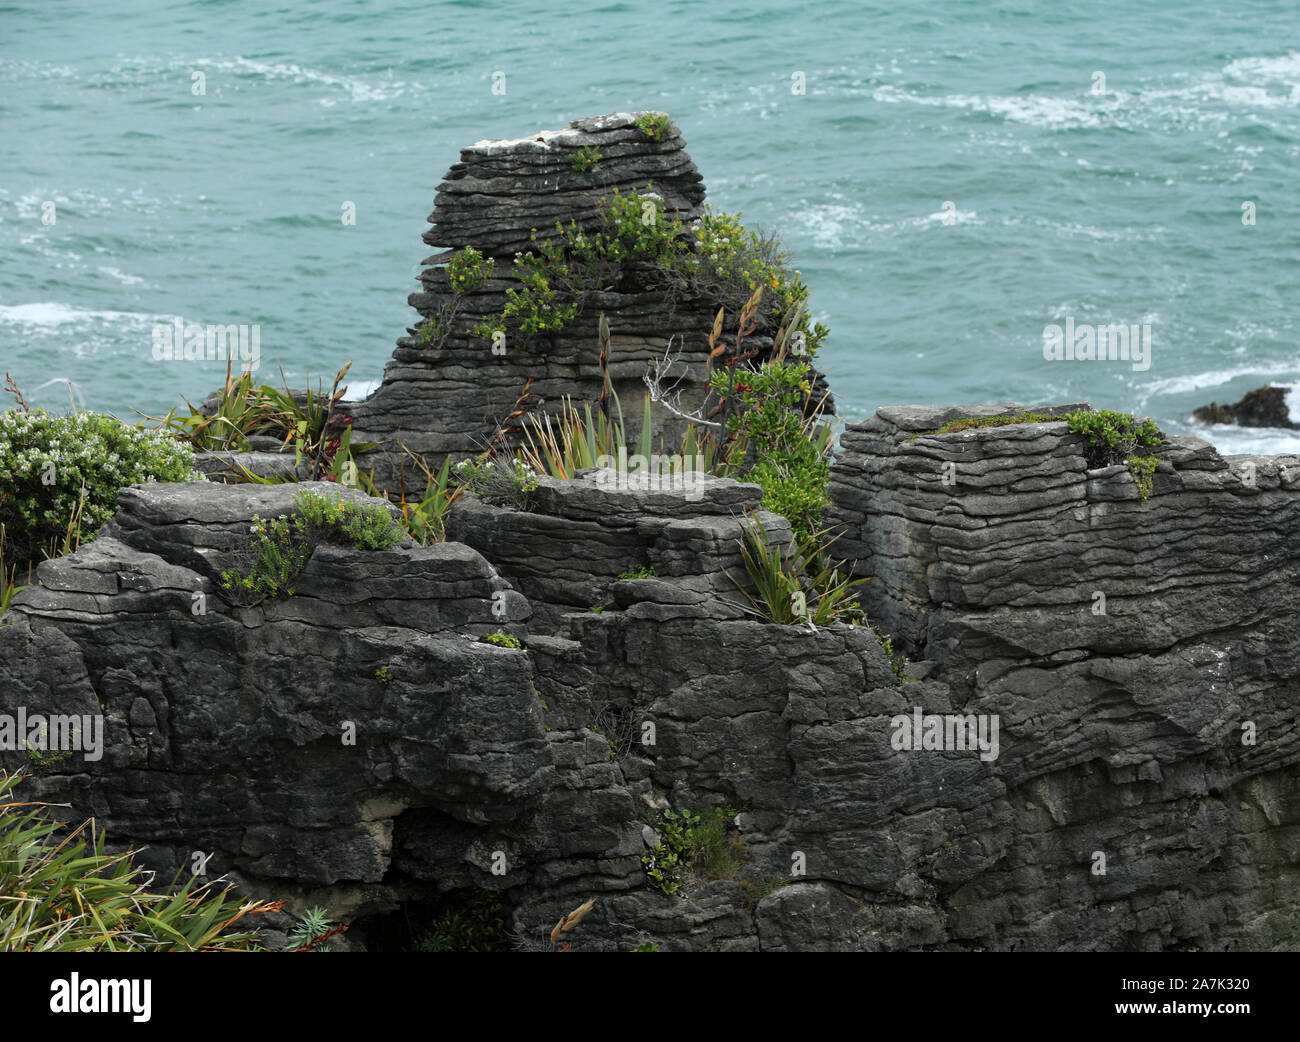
(1265, 407)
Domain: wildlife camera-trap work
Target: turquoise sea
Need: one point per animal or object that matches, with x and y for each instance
(955, 177)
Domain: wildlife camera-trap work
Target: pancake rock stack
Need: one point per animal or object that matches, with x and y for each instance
(1110, 686)
(448, 394)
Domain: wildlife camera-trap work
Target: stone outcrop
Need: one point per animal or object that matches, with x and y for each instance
(448, 397)
(566, 554)
(1095, 745)
(1264, 407)
(1122, 808)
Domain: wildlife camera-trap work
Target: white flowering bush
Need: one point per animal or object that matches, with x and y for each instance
(62, 472)
(499, 482)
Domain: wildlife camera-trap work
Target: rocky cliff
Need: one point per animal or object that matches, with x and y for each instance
(1094, 745)
(1140, 790)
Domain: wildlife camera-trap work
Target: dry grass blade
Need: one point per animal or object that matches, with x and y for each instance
(20, 402)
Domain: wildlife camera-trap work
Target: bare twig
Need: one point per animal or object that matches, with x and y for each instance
(670, 397)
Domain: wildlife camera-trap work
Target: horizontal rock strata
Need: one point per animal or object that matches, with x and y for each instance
(449, 396)
(539, 772)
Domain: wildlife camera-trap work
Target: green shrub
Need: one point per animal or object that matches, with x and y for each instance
(585, 159)
(305, 420)
(716, 849)
(638, 248)
(703, 844)
(60, 475)
(731, 261)
(310, 932)
(537, 306)
(768, 425)
(655, 125)
(43, 756)
(469, 920)
(1143, 469)
(281, 547)
(897, 660)
(466, 272)
(635, 229)
(645, 571)
(557, 273)
(502, 640)
(433, 333)
(65, 893)
(795, 488)
(1111, 437)
(367, 526)
(751, 892)
(278, 554)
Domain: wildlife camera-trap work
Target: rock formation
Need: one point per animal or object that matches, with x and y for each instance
(1093, 747)
(1144, 792)
(1264, 407)
(449, 396)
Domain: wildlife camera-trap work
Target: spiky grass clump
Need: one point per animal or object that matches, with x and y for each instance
(68, 894)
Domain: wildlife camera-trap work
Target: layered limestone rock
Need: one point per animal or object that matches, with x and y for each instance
(568, 552)
(1143, 656)
(997, 542)
(449, 394)
(1117, 805)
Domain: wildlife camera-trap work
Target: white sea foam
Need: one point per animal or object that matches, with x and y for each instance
(1041, 110)
(122, 277)
(829, 223)
(1232, 440)
(30, 205)
(1279, 69)
(380, 88)
(1265, 82)
(53, 313)
(1215, 378)
(1293, 403)
(838, 224)
(1072, 229)
(24, 69)
(360, 389)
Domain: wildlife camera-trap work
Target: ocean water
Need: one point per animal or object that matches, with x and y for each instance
(953, 178)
